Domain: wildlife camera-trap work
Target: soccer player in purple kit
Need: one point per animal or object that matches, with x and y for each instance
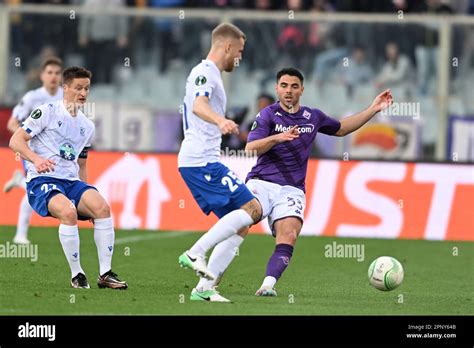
(282, 136)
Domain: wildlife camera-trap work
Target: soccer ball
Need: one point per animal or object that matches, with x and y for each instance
(385, 273)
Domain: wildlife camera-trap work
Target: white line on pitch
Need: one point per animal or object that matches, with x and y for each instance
(151, 236)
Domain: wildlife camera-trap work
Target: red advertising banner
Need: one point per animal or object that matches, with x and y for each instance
(343, 198)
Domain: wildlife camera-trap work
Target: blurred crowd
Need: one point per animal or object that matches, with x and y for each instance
(380, 53)
(348, 54)
(377, 6)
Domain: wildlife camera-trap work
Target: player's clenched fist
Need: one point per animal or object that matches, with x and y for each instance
(43, 165)
(289, 135)
(228, 127)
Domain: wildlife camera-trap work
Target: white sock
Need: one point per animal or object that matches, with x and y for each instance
(104, 236)
(220, 259)
(269, 281)
(23, 219)
(69, 237)
(227, 226)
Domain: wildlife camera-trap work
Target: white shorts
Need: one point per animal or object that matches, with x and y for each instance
(278, 201)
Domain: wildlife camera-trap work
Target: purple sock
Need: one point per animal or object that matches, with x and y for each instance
(279, 260)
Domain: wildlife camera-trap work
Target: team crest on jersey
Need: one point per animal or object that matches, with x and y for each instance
(59, 123)
(254, 125)
(67, 152)
(306, 114)
(36, 114)
(200, 80)
(83, 131)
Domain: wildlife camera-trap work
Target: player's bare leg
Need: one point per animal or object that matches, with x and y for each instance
(249, 214)
(287, 231)
(92, 204)
(64, 210)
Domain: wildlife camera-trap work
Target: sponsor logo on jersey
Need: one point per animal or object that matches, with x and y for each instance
(277, 113)
(304, 128)
(67, 152)
(200, 80)
(35, 114)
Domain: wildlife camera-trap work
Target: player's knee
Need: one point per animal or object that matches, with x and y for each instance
(289, 236)
(68, 216)
(102, 211)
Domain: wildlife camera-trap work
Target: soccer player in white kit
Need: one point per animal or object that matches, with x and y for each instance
(214, 186)
(55, 139)
(49, 92)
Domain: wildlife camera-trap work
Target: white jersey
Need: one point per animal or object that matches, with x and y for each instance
(58, 136)
(32, 99)
(202, 140)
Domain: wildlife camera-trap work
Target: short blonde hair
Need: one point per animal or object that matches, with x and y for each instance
(227, 30)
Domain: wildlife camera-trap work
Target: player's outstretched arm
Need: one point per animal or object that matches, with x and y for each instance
(19, 144)
(354, 122)
(202, 109)
(261, 146)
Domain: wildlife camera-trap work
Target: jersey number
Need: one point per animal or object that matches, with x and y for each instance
(227, 181)
(48, 187)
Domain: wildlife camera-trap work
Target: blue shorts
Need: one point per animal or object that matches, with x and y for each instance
(216, 188)
(41, 189)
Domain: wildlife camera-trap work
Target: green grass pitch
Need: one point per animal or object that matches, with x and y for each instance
(436, 281)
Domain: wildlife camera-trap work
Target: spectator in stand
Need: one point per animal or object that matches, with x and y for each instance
(291, 42)
(357, 72)
(104, 37)
(396, 72)
(426, 52)
(33, 72)
(167, 32)
(262, 40)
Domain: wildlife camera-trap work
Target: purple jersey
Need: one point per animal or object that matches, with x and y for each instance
(286, 163)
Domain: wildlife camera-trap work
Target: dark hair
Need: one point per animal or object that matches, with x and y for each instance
(266, 96)
(291, 72)
(75, 72)
(51, 61)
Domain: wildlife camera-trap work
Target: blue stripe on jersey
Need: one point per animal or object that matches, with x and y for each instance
(185, 114)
